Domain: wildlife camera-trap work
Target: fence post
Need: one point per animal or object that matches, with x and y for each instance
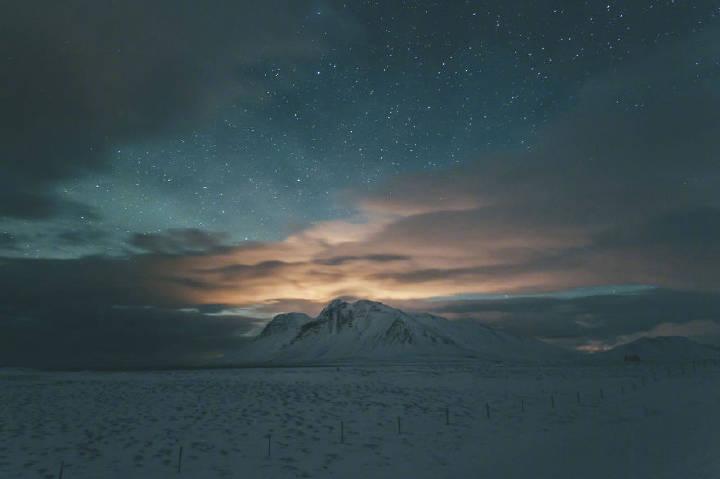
(447, 416)
(179, 468)
(62, 469)
(342, 432)
(487, 410)
(399, 429)
(269, 437)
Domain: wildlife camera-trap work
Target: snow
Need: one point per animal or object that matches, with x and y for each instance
(286, 325)
(631, 421)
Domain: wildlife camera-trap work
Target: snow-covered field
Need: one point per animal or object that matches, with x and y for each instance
(631, 421)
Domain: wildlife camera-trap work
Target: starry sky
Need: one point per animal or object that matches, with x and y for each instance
(175, 172)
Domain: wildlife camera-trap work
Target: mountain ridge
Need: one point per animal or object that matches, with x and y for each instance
(369, 330)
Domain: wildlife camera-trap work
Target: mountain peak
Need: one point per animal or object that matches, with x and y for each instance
(337, 302)
(340, 304)
(335, 305)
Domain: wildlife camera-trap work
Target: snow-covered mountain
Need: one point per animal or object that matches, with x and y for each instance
(275, 336)
(369, 330)
(284, 327)
(662, 348)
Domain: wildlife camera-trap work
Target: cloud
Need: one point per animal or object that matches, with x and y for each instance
(107, 312)
(180, 241)
(602, 320)
(33, 201)
(694, 228)
(110, 337)
(375, 258)
(79, 237)
(8, 241)
(85, 77)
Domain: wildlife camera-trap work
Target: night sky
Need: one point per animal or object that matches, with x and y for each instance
(172, 173)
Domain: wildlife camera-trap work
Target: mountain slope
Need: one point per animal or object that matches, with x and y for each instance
(276, 335)
(369, 330)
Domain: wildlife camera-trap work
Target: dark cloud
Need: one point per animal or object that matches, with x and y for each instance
(696, 228)
(373, 258)
(96, 281)
(531, 261)
(72, 336)
(32, 201)
(180, 241)
(264, 269)
(602, 318)
(102, 312)
(81, 237)
(249, 271)
(8, 241)
(190, 283)
(84, 77)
